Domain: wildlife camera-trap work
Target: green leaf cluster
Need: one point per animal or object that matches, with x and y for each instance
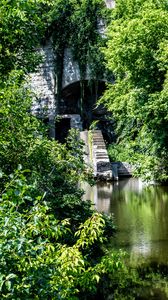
(137, 54)
(35, 261)
(66, 18)
(17, 126)
(22, 27)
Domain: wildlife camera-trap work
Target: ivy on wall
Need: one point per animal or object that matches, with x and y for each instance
(74, 24)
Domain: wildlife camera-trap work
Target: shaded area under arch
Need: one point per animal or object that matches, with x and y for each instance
(71, 102)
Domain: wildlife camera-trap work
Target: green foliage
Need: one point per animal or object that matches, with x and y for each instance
(54, 168)
(137, 52)
(38, 233)
(22, 26)
(119, 152)
(86, 37)
(52, 242)
(35, 264)
(83, 40)
(129, 9)
(17, 126)
(94, 124)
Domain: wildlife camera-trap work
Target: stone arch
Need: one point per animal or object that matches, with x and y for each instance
(71, 100)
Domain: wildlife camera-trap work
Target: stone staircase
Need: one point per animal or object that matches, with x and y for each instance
(97, 158)
(96, 154)
(100, 158)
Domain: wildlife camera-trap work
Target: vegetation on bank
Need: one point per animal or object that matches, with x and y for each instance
(137, 52)
(52, 243)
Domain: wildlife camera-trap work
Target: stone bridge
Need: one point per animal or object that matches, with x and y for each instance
(45, 105)
(43, 84)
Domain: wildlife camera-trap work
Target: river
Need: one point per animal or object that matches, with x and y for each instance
(140, 214)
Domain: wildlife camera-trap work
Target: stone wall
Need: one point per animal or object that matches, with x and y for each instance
(42, 83)
(71, 72)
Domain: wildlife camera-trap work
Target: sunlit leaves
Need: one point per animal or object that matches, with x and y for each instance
(91, 231)
(18, 126)
(35, 261)
(22, 26)
(65, 20)
(137, 54)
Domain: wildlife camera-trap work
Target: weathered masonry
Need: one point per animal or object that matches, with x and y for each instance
(44, 84)
(69, 109)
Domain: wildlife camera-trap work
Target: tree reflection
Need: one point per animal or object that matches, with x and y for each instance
(140, 213)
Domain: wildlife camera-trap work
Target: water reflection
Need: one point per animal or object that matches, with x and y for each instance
(141, 215)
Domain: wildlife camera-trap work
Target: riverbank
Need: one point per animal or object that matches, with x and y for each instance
(140, 216)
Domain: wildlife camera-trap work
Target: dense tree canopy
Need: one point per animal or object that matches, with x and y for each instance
(22, 27)
(137, 52)
(68, 16)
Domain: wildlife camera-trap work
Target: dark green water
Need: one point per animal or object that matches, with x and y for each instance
(140, 214)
